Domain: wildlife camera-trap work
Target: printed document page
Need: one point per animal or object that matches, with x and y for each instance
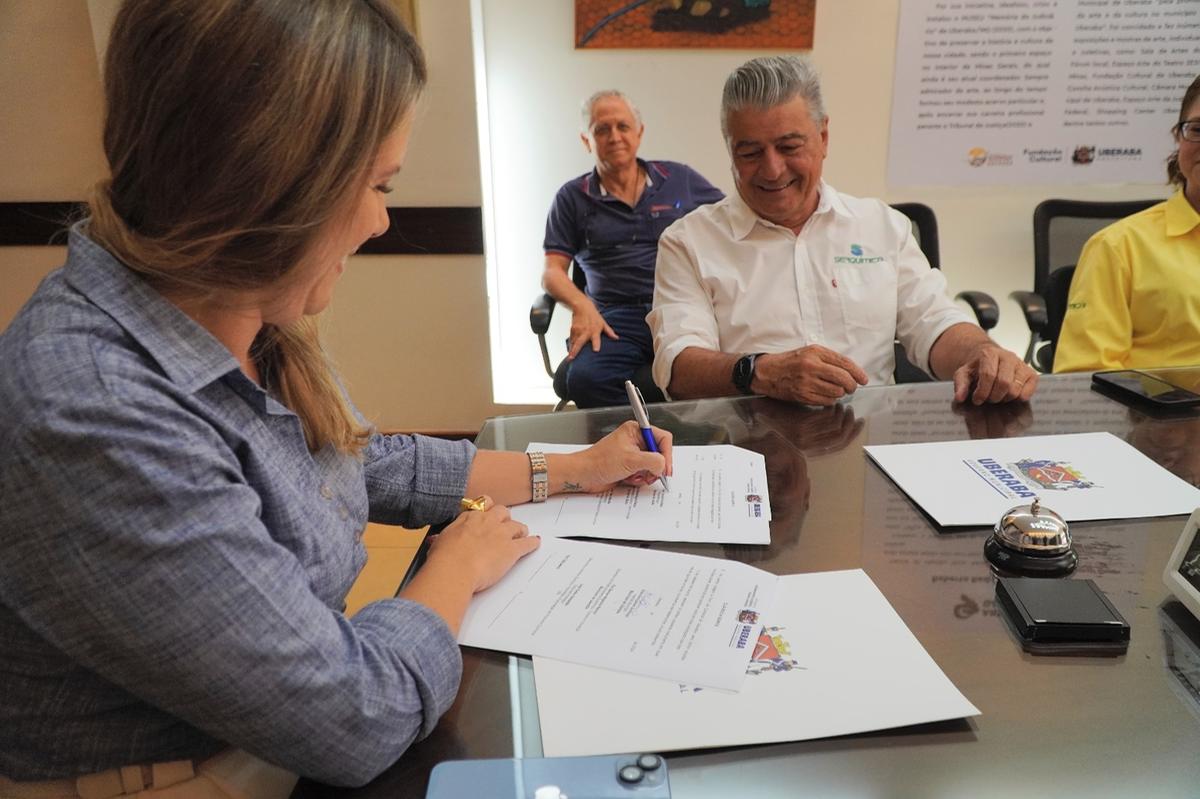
(1081, 476)
(718, 494)
(662, 614)
(832, 659)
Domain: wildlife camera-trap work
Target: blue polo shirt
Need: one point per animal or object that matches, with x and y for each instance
(616, 245)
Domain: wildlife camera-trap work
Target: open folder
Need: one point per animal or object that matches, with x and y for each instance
(1081, 476)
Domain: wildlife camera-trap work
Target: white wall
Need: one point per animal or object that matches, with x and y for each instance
(536, 80)
(409, 333)
(49, 129)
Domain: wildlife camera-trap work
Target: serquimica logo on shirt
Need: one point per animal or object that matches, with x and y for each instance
(856, 257)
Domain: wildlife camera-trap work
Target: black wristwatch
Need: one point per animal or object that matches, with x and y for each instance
(743, 372)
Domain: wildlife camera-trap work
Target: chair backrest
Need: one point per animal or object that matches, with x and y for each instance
(1058, 289)
(1062, 227)
(924, 229)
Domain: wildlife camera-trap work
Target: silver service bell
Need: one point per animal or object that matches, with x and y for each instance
(1031, 541)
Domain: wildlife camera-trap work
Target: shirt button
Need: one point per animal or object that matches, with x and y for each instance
(326, 492)
(343, 513)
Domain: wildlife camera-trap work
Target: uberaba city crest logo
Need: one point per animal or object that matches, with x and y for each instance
(1052, 475)
(1118, 153)
(1021, 480)
(857, 256)
(1086, 154)
(747, 626)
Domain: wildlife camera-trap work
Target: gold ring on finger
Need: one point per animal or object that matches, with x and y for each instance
(479, 503)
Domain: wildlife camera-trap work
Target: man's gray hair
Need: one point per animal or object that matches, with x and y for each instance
(770, 81)
(590, 103)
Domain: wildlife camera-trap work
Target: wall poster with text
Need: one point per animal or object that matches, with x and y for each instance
(991, 92)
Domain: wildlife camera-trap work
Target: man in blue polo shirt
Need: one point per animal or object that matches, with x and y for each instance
(608, 221)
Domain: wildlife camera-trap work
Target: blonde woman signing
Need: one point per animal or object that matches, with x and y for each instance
(184, 483)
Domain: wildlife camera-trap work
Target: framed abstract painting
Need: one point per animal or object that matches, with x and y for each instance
(746, 24)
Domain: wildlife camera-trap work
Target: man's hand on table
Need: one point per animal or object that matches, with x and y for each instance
(994, 374)
(814, 375)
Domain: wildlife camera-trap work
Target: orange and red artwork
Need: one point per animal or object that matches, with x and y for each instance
(781, 24)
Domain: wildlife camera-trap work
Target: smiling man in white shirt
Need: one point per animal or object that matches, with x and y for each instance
(794, 290)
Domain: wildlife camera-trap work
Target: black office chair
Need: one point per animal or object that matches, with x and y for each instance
(925, 231)
(1058, 289)
(540, 314)
(1060, 229)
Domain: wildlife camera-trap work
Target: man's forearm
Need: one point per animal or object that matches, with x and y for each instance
(562, 289)
(697, 372)
(558, 283)
(957, 345)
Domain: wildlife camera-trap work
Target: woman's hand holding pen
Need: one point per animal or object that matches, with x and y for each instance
(619, 457)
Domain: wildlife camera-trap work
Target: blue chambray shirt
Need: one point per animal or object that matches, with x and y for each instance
(174, 561)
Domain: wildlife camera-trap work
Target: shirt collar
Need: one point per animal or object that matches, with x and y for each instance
(1182, 218)
(742, 217)
(600, 191)
(187, 353)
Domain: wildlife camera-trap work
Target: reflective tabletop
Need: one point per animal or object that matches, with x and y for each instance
(1050, 726)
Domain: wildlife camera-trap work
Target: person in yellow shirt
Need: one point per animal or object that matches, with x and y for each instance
(1135, 297)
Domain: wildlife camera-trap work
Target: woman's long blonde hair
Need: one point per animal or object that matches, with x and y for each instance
(236, 130)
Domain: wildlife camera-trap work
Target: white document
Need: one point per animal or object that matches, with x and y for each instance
(718, 494)
(833, 659)
(663, 614)
(1081, 476)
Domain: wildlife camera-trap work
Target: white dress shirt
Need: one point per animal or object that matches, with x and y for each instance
(853, 280)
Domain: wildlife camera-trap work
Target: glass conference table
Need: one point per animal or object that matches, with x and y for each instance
(1050, 726)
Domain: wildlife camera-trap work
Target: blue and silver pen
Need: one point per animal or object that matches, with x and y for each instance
(643, 420)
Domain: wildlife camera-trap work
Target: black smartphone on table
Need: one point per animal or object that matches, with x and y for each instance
(1166, 389)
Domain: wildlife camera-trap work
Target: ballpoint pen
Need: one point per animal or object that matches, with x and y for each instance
(643, 420)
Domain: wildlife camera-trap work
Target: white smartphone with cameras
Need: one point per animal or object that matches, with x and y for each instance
(637, 776)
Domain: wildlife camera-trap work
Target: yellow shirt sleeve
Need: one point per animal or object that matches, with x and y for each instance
(1097, 330)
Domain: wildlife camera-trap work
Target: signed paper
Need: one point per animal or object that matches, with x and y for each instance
(662, 614)
(718, 494)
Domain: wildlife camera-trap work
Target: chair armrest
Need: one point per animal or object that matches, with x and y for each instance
(540, 313)
(1043, 359)
(1034, 308)
(987, 313)
(539, 322)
